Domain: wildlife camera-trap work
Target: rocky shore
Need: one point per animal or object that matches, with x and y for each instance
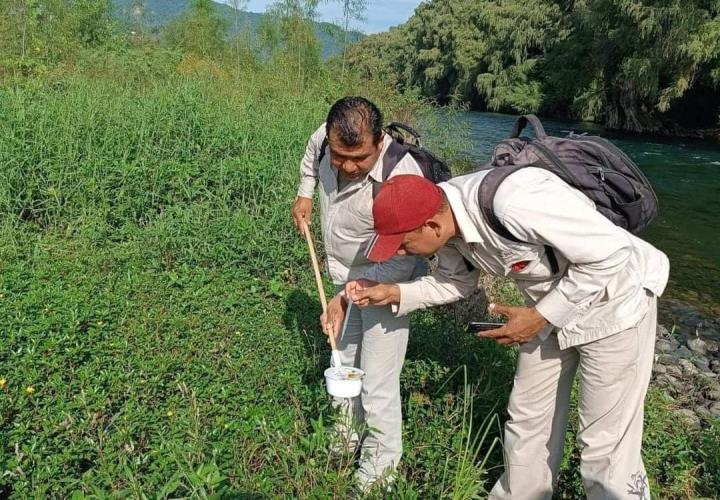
(687, 361)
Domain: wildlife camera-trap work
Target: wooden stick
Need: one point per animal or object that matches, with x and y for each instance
(318, 279)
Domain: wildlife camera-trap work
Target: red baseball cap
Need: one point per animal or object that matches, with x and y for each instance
(403, 204)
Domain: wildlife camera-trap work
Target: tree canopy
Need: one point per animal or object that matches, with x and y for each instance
(638, 65)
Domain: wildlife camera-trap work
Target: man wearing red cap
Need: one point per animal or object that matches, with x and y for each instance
(345, 156)
(591, 291)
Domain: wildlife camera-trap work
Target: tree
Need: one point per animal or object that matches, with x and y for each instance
(36, 32)
(638, 65)
(353, 10)
(201, 30)
(294, 35)
(238, 41)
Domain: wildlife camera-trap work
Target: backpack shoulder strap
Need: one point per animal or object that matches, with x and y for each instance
(323, 149)
(394, 153)
(536, 125)
(486, 197)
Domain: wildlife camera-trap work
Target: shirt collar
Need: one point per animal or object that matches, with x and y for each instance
(376, 172)
(469, 232)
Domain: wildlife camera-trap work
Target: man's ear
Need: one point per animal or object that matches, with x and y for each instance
(434, 226)
(380, 139)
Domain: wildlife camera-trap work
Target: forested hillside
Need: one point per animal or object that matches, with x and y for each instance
(156, 14)
(634, 65)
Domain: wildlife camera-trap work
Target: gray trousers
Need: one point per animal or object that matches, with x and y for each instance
(614, 375)
(375, 341)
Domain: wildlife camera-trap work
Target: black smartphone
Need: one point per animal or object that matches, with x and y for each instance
(482, 326)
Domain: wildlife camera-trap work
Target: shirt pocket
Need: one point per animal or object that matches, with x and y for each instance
(532, 265)
(354, 220)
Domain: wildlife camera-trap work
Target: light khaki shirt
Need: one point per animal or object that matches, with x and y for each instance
(604, 270)
(346, 214)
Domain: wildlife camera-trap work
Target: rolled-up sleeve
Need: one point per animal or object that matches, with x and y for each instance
(540, 208)
(452, 280)
(310, 163)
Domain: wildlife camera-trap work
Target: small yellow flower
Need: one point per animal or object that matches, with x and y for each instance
(29, 390)
(100, 323)
(169, 413)
(2, 383)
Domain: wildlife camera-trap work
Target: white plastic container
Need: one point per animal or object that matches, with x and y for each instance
(344, 382)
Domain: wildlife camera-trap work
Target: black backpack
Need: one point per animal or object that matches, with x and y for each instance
(406, 140)
(593, 165)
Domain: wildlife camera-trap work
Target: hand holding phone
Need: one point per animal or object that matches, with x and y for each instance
(482, 326)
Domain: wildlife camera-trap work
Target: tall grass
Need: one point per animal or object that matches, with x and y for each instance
(154, 296)
(159, 323)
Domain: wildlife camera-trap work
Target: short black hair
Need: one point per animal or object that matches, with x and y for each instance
(350, 117)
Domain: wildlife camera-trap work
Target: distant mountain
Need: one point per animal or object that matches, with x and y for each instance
(160, 12)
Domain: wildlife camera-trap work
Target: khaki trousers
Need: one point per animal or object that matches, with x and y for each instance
(375, 341)
(614, 374)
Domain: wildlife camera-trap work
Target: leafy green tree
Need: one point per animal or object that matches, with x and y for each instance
(201, 30)
(34, 33)
(636, 65)
(643, 57)
(241, 37)
(353, 10)
(289, 35)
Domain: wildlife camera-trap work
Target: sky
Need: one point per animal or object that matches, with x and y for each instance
(381, 14)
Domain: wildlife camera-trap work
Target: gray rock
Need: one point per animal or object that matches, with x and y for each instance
(682, 353)
(670, 383)
(713, 394)
(666, 345)
(697, 345)
(715, 365)
(708, 379)
(659, 369)
(703, 413)
(693, 319)
(688, 367)
(662, 332)
(691, 417)
(713, 347)
(666, 359)
(711, 333)
(702, 364)
(715, 409)
(674, 371)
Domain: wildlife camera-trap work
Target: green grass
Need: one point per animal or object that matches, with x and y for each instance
(155, 297)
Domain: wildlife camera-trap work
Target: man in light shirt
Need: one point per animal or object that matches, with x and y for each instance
(345, 158)
(591, 291)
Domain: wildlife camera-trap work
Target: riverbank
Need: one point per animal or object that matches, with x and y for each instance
(687, 364)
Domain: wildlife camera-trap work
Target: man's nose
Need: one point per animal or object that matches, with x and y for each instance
(349, 167)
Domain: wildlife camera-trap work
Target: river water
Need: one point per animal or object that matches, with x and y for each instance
(686, 177)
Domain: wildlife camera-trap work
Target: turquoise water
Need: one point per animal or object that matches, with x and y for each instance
(686, 177)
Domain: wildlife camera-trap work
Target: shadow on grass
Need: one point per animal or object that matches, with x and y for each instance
(301, 317)
(438, 348)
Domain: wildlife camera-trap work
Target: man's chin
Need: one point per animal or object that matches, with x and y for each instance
(352, 178)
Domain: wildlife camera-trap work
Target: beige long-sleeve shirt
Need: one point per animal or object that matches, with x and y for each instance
(603, 269)
(346, 214)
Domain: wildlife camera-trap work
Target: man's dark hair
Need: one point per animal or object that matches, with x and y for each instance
(350, 117)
